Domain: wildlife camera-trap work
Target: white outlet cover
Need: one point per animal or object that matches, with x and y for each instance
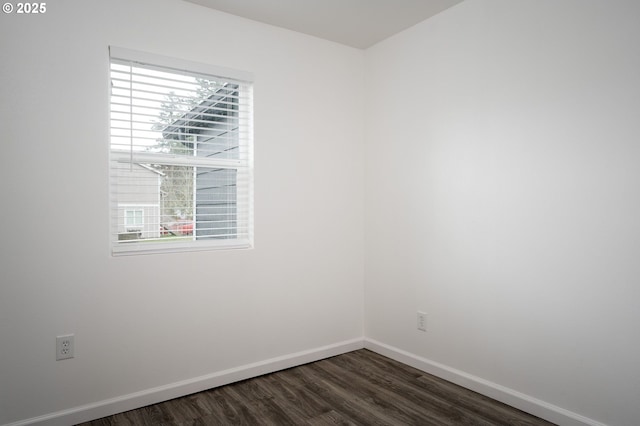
(422, 321)
(65, 347)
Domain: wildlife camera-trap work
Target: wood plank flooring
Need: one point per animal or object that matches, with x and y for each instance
(356, 388)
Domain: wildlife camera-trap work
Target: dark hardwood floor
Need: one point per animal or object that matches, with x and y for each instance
(357, 388)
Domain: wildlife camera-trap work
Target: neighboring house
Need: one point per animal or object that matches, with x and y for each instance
(212, 131)
(138, 213)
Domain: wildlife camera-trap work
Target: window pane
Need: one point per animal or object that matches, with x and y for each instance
(166, 196)
(180, 158)
(157, 111)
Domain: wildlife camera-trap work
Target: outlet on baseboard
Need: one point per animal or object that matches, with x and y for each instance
(422, 321)
(64, 347)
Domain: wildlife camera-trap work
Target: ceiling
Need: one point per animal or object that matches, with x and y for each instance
(356, 23)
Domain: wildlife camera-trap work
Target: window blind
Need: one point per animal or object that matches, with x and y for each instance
(181, 155)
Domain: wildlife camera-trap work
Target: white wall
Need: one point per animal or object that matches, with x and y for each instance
(503, 196)
(148, 321)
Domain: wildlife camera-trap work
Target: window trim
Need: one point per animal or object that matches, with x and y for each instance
(167, 64)
(178, 65)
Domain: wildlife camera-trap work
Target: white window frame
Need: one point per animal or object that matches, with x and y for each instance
(243, 166)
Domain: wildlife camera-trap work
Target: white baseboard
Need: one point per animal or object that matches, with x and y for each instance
(174, 390)
(132, 401)
(500, 393)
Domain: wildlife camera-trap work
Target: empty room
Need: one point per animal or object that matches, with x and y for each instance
(320, 212)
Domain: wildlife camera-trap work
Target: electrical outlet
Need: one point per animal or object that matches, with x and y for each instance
(64, 347)
(422, 321)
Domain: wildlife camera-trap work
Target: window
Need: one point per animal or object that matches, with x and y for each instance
(133, 220)
(181, 155)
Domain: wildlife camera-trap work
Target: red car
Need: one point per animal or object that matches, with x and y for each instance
(181, 227)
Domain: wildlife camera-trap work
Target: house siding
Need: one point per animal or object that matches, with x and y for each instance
(147, 199)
